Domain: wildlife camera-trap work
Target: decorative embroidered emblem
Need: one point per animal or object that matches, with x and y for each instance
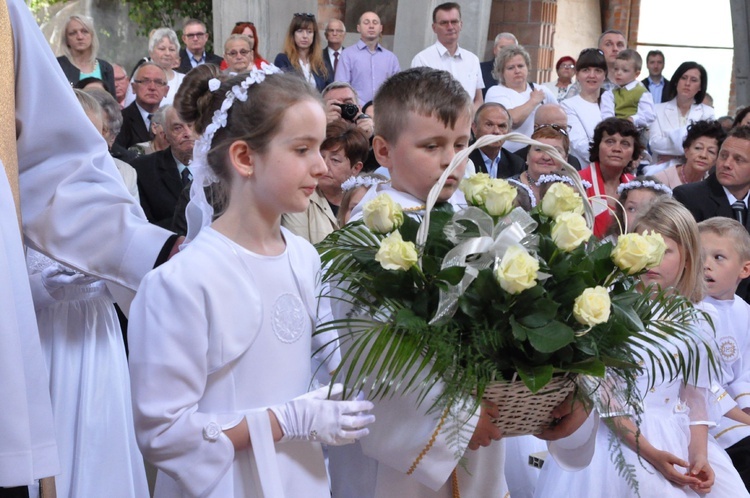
(728, 349)
(288, 318)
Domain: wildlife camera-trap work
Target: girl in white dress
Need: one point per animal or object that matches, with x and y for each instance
(221, 335)
(675, 456)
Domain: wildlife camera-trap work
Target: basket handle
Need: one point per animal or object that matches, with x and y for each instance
(463, 155)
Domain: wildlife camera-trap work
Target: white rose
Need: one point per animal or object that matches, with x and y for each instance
(561, 198)
(570, 231)
(499, 197)
(634, 252)
(382, 214)
(592, 307)
(474, 188)
(517, 271)
(396, 254)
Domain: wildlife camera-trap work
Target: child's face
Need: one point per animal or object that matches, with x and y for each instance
(723, 267)
(625, 72)
(421, 153)
(636, 203)
(668, 273)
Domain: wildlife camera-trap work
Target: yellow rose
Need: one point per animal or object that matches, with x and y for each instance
(570, 231)
(382, 214)
(634, 252)
(396, 254)
(657, 249)
(517, 270)
(474, 188)
(561, 198)
(592, 307)
(499, 196)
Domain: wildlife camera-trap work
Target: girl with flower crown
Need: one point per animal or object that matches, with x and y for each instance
(634, 198)
(669, 454)
(221, 335)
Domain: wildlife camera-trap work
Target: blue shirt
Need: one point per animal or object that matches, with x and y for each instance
(656, 89)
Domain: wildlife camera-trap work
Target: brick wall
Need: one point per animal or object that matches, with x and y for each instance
(622, 15)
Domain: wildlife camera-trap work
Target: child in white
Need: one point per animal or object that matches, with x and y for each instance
(726, 251)
(672, 457)
(221, 334)
(631, 100)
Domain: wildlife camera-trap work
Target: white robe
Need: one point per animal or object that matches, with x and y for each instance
(74, 208)
(209, 345)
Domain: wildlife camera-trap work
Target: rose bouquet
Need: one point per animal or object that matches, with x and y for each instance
(490, 296)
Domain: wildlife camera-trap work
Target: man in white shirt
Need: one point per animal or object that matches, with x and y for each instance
(445, 54)
(335, 33)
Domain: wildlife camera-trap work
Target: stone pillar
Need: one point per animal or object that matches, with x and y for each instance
(271, 19)
(622, 15)
(741, 72)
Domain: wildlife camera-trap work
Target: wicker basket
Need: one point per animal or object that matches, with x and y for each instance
(523, 412)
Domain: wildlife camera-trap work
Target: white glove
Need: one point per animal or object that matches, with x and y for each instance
(63, 284)
(312, 417)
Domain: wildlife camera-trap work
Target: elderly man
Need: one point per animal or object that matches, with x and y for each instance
(150, 88)
(162, 175)
(445, 54)
(195, 36)
(725, 192)
(551, 115)
(502, 40)
(494, 119)
(367, 64)
(121, 84)
(335, 33)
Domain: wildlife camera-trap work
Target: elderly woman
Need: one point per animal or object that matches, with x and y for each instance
(516, 93)
(79, 46)
(303, 53)
(701, 146)
(538, 162)
(686, 89)
(614, 148)
(163, 50)
(248, 29)
(238, 54)
(566, 69)
(583, 110)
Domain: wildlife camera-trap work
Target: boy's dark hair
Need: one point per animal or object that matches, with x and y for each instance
(631, 55)
(446, 7)
(423, 90)
(614, 126)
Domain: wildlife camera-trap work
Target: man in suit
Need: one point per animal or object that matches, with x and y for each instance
(502, 40)
(493, 119)
(150, 87)
(162, 175)
(335, 33)
(551, 115)
(655, 82)
(194, 36)
(725, 191)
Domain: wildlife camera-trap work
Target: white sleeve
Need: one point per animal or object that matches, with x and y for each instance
(607, 105)
(579, 140)
(666, 141)
(645, 114)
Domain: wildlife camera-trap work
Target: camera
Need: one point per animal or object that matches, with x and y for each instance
(349, 112)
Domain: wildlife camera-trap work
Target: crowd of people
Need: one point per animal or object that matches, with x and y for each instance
(254, 162)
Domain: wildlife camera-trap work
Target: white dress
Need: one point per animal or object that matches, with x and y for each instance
(512, 99)
(90, 389)
(217, 334)
(377, 465)
(583, 116)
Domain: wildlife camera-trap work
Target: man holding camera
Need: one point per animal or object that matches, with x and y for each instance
(342, 102)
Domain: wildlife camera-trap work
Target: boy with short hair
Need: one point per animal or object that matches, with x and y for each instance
(424, 119)
(631, 100)
(726, 250)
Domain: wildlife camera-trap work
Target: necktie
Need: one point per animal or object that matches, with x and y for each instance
(185, 177)
(740, 211)
(335, 60)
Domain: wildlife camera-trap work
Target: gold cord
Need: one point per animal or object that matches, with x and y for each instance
(429, 443)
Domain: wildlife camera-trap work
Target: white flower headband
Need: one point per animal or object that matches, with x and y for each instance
(199, 212)
(361, 181)
(532, 197)
(633, 184)
(560, 178)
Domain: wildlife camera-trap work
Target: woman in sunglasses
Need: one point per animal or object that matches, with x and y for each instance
(303, 53)
(538, 162)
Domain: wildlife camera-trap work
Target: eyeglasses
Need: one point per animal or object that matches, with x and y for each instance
(243, 22)
(564, 130)
(195, 35)
(335, 31)
(147, 82)
(234, 53)
(306, 15)
(567, 66)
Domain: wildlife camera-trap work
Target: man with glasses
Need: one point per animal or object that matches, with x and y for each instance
(335, 33)
(445, 54)
(366, 65)
(195, 36)
(150, 88)
(552, 115)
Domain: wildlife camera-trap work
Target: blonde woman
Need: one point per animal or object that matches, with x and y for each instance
(79, 46)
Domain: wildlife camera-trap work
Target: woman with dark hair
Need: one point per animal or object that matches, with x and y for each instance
(303, 53)
(566, 69)
(247, 28)
(742, 118)
(702, 146)
(614, 148)
(583, 110)
(686, 91)
(79, 46)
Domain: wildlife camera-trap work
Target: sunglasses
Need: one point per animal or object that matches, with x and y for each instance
(561, 129)
(306, 15)
(590, 50)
